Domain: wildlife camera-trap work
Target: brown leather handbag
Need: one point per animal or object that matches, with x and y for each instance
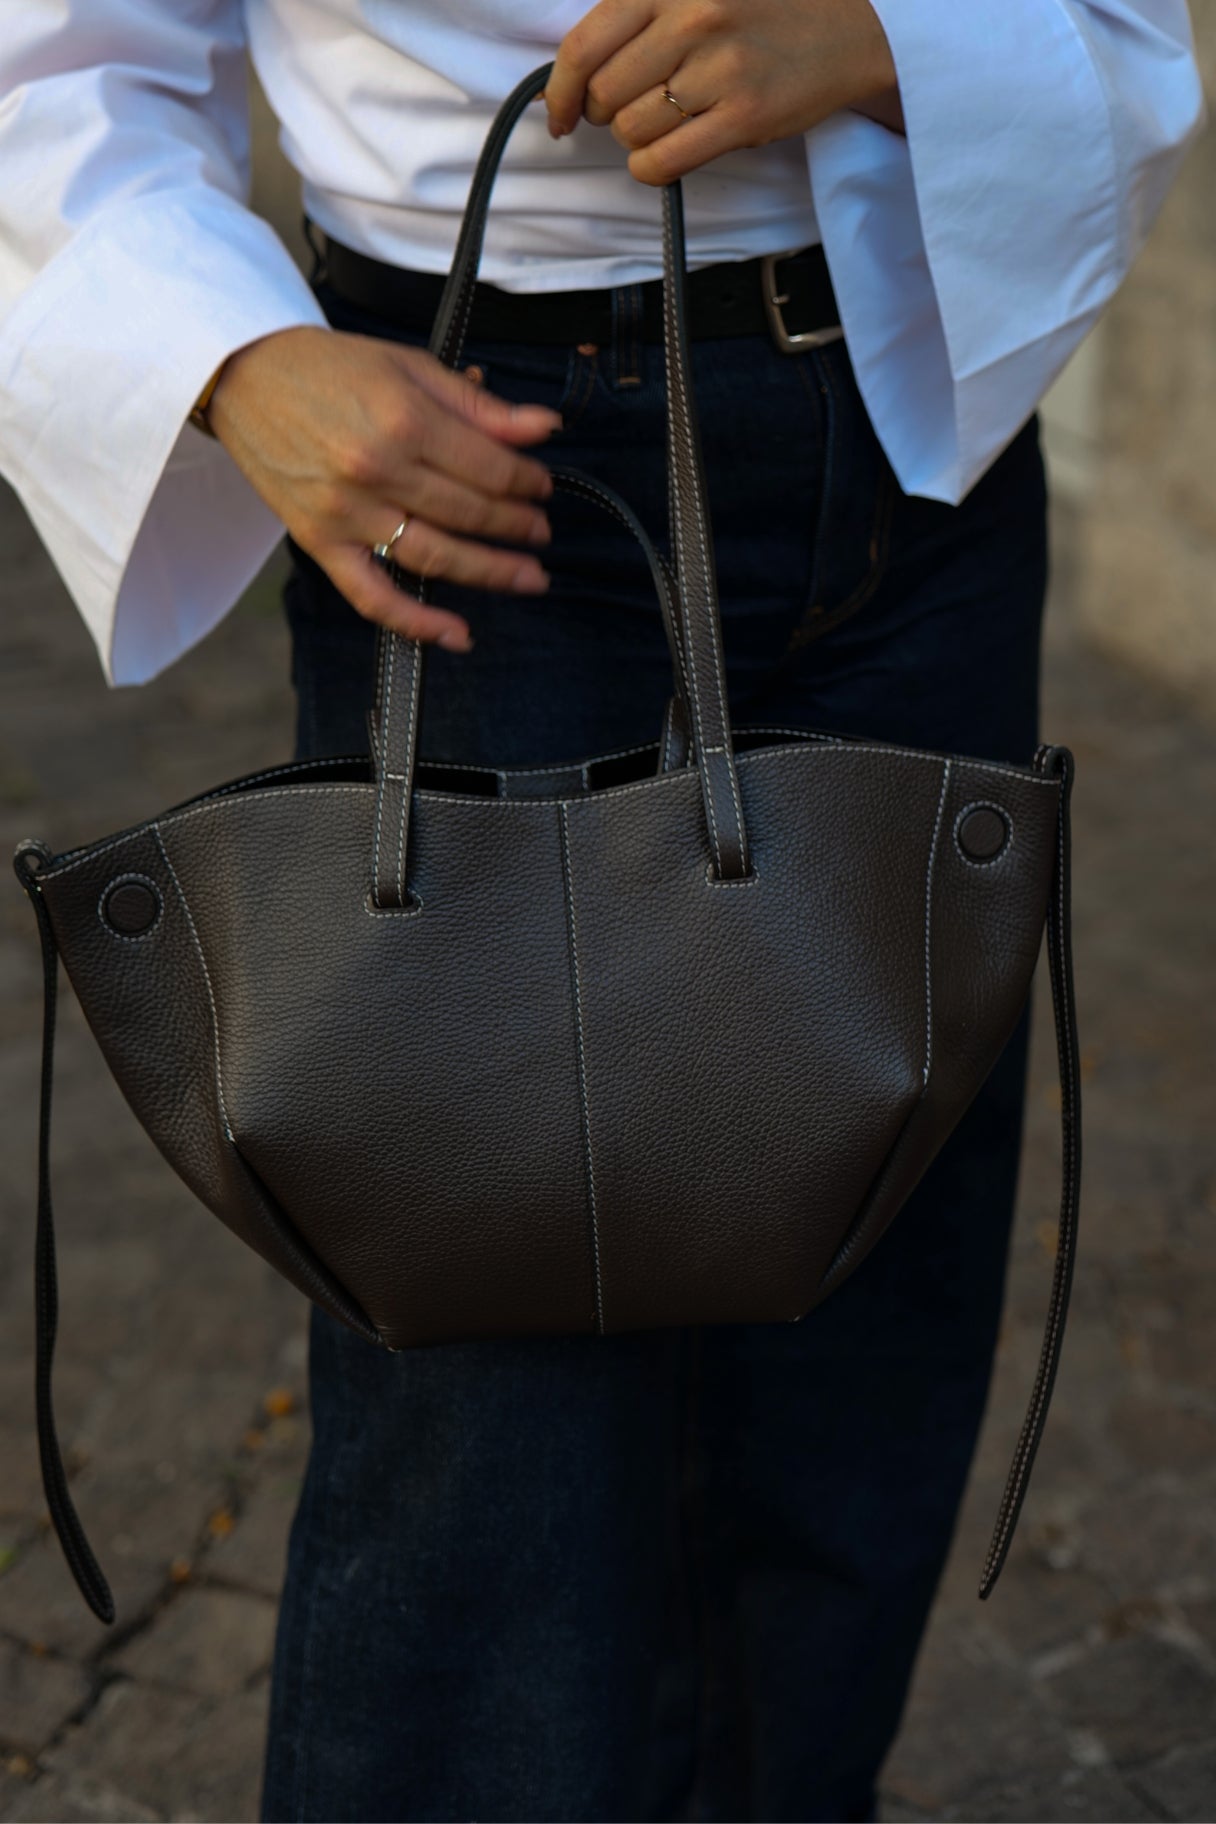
(680, 1028)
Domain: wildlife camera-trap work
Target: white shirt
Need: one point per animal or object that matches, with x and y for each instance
(969, 259)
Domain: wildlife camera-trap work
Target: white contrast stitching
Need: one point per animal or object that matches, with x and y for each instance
(1010, 1505)
(774, 728)
(513, 772)
(127, 937)
(690, 656)
(415, 680)
(674, 369)
(292, 766)
(411, 910)
(745, 880)
(582, 1070)
(733, 777)
(757, 756)
(215, 1018)
(937, 825)
(472, 268)
(385, 735)
(984, 804)
(761, 754)
(668, 745)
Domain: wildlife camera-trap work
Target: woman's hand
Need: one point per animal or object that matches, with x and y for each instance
(343, 436)
(747, 71)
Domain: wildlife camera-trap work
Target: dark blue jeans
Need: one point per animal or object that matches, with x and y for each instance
(682, 1574)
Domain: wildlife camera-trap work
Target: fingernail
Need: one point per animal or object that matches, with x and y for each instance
(455, 640)
(517, 410)
(541, 533)
(530, 581)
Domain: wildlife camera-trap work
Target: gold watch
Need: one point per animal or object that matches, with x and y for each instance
(198, 411)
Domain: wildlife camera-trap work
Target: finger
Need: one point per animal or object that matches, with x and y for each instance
(363, 524)
(652, 116)
(454, 441)
(430, 551)
(450, 505)
(457, 506)
(584, 48)
(471, 400)
(638, 68)
(465, 454)
(357, 576)
(690, 145)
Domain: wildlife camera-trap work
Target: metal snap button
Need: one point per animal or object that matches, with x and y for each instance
(982, 832)
(131, 907)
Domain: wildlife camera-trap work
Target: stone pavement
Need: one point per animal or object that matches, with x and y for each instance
(1085, 1689)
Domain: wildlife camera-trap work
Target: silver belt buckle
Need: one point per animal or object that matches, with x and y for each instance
(774, 299)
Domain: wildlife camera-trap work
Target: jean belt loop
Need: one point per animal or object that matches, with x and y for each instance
(626, 323)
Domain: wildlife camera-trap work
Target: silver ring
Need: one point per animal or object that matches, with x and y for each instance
(385, 550)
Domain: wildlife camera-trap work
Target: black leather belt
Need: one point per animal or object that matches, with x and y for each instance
(788, 295)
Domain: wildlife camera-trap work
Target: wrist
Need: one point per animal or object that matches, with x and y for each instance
(886, 108)
(880, 98)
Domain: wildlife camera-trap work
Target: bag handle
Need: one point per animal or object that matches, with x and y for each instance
(694, 627)
(596, 494)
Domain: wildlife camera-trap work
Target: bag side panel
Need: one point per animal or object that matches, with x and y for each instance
(986, 933)
(147, 1001)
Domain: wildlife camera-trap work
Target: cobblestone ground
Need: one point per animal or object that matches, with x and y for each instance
(1085, 1689)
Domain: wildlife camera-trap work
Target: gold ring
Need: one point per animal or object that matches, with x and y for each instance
(683, 112)
(384, 551)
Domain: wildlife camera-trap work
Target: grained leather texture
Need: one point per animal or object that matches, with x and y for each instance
(544, 1099)
(149, 1002)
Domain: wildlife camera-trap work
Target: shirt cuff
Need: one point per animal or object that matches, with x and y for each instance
(107, 350)
(971, 256)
